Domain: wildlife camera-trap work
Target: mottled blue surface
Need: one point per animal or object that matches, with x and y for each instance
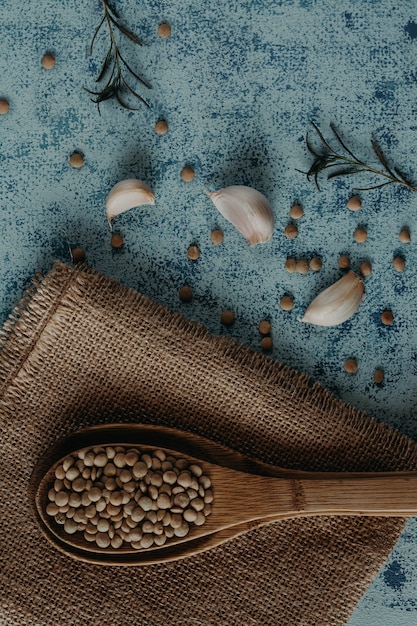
(239, 83)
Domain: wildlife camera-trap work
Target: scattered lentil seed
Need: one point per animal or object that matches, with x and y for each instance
(354, 203)
(296, 211)
(116, 241)
(291, 231)
(161, 127)
(48, 61)
(164, 30)
(302, 266)
(227, 317)
(266, 343)
(316, 264)
(350, 366)
(360, 235)
(387, 317)
(398, 264)
(291, 265)
(76, 160)
(77, 255)
(4, 106)
(216, 237)
(186, 293)
(404, 236)
(187, 174)
(365, 268)
(264, 327)
(379, 376)
(344, 262)
(286, 303)
(193, 253)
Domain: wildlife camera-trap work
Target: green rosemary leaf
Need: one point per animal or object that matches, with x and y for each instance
(310, 148)
(322, 139)
(123, 104)
(96, 33)
(340, 140)
(401, 175)
(129, 88)
(108, 92)
(106, 65)
(111, 8)
(349, 164)
(126, 32)
(381, 157)
(389, 182)
(113, 62)
(345, 172)
(129, 69)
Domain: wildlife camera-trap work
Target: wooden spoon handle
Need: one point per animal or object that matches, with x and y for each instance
(384, 494)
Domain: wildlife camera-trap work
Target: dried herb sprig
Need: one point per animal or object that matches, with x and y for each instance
(348, 163)
(116, 85)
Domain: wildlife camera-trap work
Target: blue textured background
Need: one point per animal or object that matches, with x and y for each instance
(239, 83)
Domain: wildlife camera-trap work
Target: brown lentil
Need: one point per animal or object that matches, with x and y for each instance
(187, 174)
(77, 255)
(290, 265)
(302, 266)
(360, 235)
(116, 241)
(398, 263)
(350, 366)
(216, 237)
(291, 231)
(296, 211)
(354, 203)
(387, 317)
(161, 127)
(76, 160)
(344, 262)
(266, 343)
(186, 293)
(227, 317)
(379, 376)
(4, 106)
(193, 253)
(286, 303)
(48, 61)
(264, 327)
(365, 268)
(404, 236)
(316, 264)
(164, 30)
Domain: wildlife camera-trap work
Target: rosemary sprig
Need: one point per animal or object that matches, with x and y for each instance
(116, 85)
(347, 164)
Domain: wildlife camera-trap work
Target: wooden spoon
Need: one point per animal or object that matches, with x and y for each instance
(247, 493)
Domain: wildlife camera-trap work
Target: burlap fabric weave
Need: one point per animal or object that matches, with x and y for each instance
(83, 350)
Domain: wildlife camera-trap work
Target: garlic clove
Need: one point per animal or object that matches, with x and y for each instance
(127, 194)
(337, 303)
(247, 209)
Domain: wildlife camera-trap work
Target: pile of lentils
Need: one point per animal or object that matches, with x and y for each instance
(124, 498)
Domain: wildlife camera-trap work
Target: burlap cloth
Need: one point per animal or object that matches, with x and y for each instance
(81, 350)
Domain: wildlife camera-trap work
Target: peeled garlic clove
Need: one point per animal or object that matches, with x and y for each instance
(337, 303)
(247, 209)
(127, 194)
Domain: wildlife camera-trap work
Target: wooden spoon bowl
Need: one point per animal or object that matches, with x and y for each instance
(247, 493)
